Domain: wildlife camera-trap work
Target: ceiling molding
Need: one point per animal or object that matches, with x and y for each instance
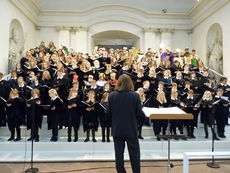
(182, 21)
(123, 19)
(114, 7)
(110, 6)
(35, 5)
(197, 7)
(25, 8)
(206, 9)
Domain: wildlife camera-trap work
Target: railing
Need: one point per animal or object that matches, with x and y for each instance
(214, 71)
(7, 77)
(215, 76)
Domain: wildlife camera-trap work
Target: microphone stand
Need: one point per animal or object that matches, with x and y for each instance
(213, 164)
(32, 169)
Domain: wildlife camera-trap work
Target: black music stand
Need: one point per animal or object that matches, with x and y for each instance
(213, 164)
(32, 169)
(169, 117)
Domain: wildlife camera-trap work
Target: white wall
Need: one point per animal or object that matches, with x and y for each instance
(47, 35)
(181, 39)
(200, 34)
(8, 12)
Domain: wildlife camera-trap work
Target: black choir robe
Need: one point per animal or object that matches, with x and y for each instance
(16, 112)
(53, 118)
(73, 115)
(90, 118)
(36, 116)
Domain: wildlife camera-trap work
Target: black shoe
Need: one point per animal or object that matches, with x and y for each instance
(94, 140)
(221, 135)
(55, 139)
(86, 140)
(37, 140)
(108, 140)
(29, 139)
(76, 139)
(192, 136)
(158, 138)
(69, 140)
(10, 139)
(140, 137)
(18, 139)
(215, 138)
(103, 140)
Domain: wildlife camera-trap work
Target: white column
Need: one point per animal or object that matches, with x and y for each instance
(190, 32)
(81, 39)
(149, 39)
(158, 40)
(73, 38)
(166, 38)
(64, 36)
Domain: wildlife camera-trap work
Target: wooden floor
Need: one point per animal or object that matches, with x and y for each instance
(109, 167)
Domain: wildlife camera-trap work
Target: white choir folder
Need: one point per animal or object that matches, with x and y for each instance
(172, 113)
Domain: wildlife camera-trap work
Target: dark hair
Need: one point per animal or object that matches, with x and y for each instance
(223, 79)
(124, 83)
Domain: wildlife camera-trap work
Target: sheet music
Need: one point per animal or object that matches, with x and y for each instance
(172, 110)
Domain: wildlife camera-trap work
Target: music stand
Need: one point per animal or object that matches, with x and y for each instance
(32, 169)
(213, 164)
(171, 116)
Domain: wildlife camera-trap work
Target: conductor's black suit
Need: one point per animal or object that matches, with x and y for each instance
(124, 107)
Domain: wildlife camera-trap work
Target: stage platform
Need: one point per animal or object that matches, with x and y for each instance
(60, 151)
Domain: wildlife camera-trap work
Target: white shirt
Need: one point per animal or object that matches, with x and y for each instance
(54, 98)
(189, 97)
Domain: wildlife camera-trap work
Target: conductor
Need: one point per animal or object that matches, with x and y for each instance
(124, 107)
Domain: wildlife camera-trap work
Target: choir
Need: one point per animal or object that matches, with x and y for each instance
(70, 87)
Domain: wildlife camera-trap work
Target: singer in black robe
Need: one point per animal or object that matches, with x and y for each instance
(15, 116)
(73, 116)
(55, 108)
(34, 117)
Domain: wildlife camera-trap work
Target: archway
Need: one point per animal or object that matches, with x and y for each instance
(214, 47)
(16, 44)
(115, 30)
(115, 39)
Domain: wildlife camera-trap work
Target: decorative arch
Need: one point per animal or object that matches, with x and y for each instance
(123, 30)
(115, 39)
(214, 48)
(16, 44)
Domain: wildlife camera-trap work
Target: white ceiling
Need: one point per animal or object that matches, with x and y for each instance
(172, 6)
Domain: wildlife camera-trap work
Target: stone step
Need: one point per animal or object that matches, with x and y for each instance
(151, 149)
(80, 151)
